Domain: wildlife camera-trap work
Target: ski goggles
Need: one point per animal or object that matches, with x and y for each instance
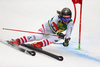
(65, 19)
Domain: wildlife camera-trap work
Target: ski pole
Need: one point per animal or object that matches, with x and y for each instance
(29, 32)
(58, 43)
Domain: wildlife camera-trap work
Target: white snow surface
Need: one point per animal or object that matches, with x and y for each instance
(30, 14)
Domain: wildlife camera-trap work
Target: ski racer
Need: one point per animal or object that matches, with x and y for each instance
(60, 22)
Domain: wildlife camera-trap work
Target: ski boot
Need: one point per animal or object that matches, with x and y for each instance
(38, 45)
(16, 42)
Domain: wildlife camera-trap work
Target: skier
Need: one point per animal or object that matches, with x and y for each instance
(59, 23)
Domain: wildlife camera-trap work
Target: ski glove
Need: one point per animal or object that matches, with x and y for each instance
(66, 42)
(60, 35)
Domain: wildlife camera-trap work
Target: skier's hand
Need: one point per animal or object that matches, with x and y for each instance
(66, 42)
(60, 35)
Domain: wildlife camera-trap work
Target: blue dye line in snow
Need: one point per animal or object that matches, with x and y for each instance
(84, 55)
(76, 52)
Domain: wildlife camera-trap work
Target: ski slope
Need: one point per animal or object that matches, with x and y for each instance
(30, 14)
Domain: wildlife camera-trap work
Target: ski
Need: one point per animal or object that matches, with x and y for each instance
(60, 58)
(32, 53)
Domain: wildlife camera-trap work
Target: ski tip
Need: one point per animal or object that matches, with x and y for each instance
(33, 53)
(60, 58)
(4, 28)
